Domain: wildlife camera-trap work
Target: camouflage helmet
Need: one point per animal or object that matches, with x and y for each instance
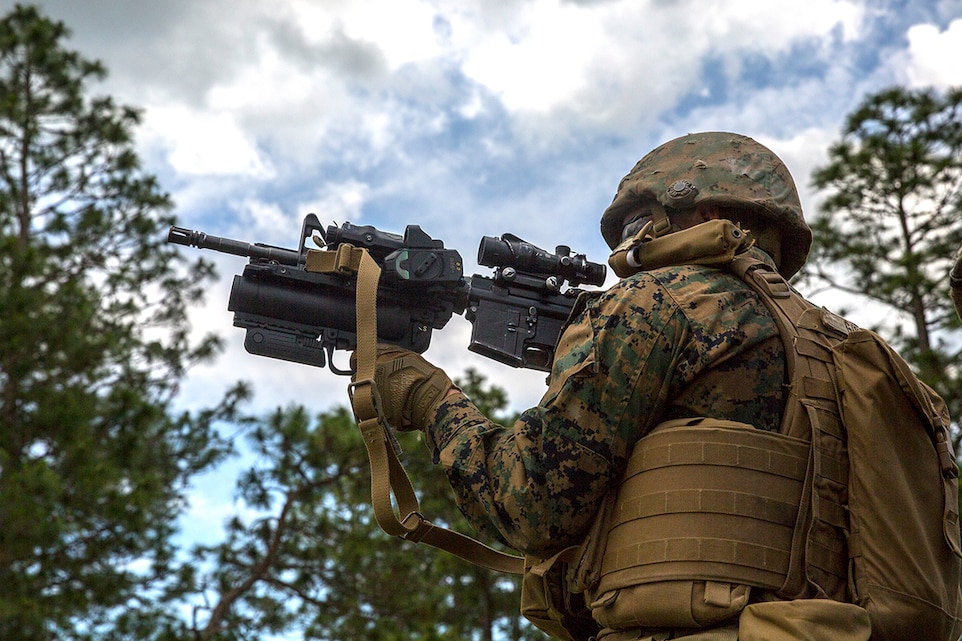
(720, 168)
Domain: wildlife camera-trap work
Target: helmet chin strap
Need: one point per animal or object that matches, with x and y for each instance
(659, 217)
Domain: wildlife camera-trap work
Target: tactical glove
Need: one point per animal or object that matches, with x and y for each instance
(410, 388)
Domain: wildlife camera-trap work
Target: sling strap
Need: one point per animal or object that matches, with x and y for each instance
(388, 477)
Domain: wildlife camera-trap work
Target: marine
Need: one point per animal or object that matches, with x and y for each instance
(678, 337)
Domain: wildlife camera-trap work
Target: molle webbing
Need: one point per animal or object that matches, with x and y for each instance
(819, 565)
(713, 501)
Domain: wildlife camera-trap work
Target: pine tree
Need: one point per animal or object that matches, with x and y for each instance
(93, 342)
(891, 223)
(315, 563)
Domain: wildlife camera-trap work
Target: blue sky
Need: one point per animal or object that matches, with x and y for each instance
(470, 118)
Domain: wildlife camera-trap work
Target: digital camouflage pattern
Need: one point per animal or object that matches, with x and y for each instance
(721, 168)
(674, 342)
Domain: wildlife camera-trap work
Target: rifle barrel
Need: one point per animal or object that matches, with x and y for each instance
(201, 240)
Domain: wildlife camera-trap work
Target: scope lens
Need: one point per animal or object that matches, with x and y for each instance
(494, 252)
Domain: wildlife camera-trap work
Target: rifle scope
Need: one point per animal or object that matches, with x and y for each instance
(511, 251)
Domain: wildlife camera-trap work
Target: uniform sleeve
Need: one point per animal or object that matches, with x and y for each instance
(537, 484)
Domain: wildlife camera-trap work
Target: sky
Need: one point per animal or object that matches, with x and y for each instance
(469, 118)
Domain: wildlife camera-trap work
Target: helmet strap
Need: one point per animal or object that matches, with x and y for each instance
(770, 241)
(659, 217)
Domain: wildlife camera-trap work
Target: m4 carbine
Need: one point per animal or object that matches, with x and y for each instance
(303, 316)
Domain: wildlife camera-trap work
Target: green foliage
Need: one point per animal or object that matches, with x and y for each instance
(93, 342)
(891, 223)
(95, 466)
(314, 562)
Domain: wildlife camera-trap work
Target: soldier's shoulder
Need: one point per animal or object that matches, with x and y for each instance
(678, 278)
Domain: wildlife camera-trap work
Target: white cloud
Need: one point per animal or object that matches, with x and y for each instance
(545, 63)
(933, 56)
(204, 143)
(264, 221)
(380, 128)
(339, 202)
(402, 29)
(773, 26)
(615, 61)
(311, 82)
(255, 219)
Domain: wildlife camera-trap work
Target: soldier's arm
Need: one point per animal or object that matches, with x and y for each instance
(537, 484)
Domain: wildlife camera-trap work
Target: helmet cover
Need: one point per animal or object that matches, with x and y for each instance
(720, 168)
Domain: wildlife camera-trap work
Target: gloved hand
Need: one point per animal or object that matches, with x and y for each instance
(410, 387)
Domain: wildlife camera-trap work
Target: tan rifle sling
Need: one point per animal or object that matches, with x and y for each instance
(388, 477)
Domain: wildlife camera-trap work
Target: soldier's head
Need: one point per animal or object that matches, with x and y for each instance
(709, 175)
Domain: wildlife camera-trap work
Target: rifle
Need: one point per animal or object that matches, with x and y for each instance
(297, 315)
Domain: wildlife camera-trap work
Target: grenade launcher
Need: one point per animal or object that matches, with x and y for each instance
(302, 316)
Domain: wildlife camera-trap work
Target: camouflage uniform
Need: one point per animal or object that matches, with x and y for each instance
(667, 342)
(675, 342)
